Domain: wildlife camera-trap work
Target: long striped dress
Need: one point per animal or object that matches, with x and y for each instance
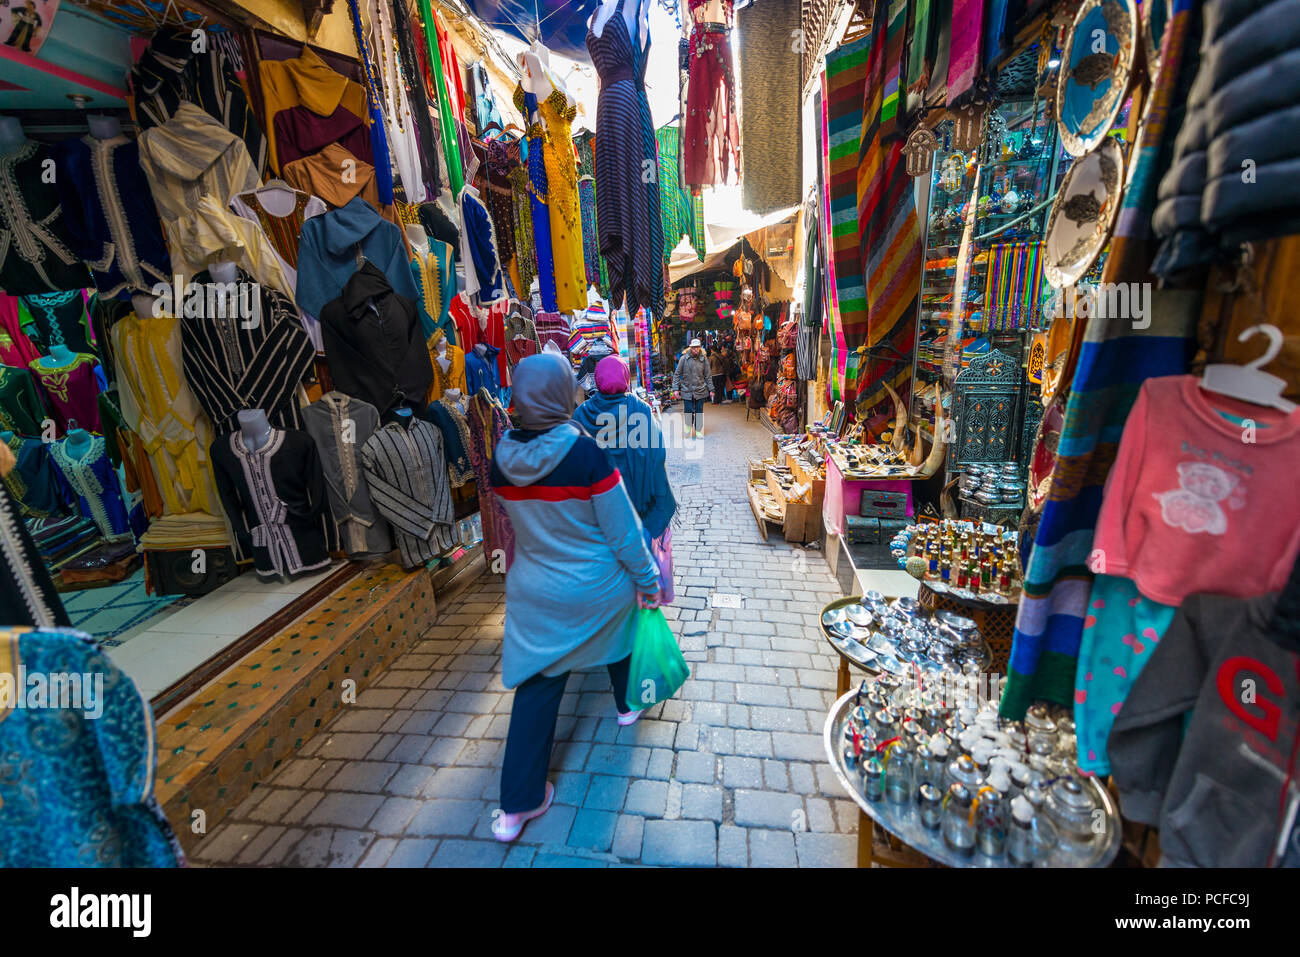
(627, 171)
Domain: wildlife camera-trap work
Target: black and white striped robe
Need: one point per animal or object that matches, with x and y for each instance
(407, 475)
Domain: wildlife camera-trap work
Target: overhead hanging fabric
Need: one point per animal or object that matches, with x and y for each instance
(769, 97)
(446, 117)
(378, 137)
(890, 238)
(631, 231)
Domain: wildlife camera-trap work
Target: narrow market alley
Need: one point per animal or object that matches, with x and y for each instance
(729, 773)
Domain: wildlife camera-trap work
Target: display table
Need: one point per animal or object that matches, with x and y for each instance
(844, 496)
(843, 678)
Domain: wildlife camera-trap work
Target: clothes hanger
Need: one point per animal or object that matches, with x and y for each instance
(1250, 382)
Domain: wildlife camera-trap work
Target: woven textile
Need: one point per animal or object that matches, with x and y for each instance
(627, 200)
(890, 248)
(892, 68)
(1113, 362)
(677, 207)
(846, 78)
(967, 33)
(769, 96)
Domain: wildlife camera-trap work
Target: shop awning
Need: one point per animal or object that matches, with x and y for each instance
(721, 233)
(560, 24)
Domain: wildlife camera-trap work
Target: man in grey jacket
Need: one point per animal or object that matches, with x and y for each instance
(692, 382)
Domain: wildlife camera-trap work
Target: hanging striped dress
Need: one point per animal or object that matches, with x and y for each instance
(627, 168)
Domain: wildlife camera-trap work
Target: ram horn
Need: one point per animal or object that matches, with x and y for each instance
(900, 419)
(935, 459)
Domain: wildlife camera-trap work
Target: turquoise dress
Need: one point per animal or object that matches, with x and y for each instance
(435, 280)
(76, 782)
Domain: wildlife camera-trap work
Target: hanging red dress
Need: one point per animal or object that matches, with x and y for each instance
(711, 139)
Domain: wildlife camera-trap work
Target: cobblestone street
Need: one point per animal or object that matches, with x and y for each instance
(729, 773)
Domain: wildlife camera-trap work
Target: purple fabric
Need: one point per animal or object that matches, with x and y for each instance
(963, 62)
(612, 375)
(299, 132)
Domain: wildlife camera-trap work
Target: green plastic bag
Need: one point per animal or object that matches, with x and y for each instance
(657, 669)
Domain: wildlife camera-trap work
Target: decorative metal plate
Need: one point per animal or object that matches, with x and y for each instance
(904, 822)
(1095, 70)
(1083, 213)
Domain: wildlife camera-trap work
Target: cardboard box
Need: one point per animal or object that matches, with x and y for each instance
(803, 522)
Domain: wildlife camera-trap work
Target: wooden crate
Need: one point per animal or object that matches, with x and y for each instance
(803, 522)
(760, 516)
(803, 477)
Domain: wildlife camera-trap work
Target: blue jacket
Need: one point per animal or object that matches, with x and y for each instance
(624, 427)
(327, 254)
(580, 554)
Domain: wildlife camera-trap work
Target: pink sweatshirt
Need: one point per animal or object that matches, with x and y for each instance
(1198, 503)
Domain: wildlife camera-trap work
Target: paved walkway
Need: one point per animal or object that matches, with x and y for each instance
(730, 773)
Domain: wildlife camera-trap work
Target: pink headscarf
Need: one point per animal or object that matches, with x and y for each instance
(612, 376)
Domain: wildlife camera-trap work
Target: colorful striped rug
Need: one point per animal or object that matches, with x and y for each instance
(846, 76)
(834, 331)
(1112, 364)
(889, 241)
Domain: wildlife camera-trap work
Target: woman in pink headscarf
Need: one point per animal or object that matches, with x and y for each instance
(626, 429)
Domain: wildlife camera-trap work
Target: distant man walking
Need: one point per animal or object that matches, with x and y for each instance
(692, 381)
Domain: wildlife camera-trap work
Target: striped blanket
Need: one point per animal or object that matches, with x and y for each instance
(889, 239)
(1113, 362)
(846, 77)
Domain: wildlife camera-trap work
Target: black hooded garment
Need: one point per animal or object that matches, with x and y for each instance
(374, 344)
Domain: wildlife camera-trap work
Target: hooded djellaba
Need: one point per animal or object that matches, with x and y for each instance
(625, 428)
(581, 553)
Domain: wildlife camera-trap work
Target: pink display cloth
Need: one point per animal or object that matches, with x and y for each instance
(844, 497)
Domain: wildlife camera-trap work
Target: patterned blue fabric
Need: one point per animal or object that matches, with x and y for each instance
(481, 371)
(485, 259)
(541, 211)
(76, 790)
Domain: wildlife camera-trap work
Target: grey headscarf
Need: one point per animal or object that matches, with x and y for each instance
(544, 391)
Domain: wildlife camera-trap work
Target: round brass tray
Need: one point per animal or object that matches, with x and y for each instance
(905, 824)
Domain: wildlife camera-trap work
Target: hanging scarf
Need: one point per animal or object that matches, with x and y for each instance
(964, 58)
(378, 138)
(889, 247)
(895, 34)
(1113, 361)
(446, 118)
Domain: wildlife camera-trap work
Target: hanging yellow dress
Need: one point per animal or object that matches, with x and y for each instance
(557, 115)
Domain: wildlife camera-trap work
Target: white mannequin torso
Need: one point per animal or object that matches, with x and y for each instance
(444, 360)
(277, 197)
(538, 78)
(636, 15)
(418, 239)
